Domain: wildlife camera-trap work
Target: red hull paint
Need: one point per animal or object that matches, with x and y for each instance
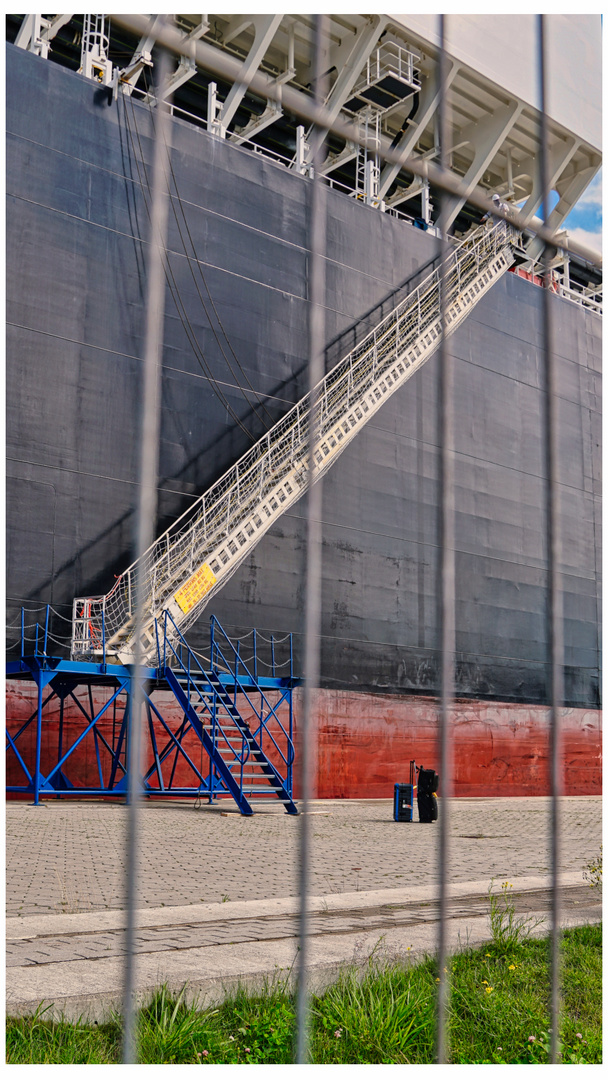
(365, 743)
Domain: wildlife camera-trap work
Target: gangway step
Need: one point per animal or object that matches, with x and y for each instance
(195, 558)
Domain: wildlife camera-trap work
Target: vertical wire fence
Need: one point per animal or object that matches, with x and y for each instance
(555, 643)
(445, 547)
(314, 540)
(446, 606)
(145, 522)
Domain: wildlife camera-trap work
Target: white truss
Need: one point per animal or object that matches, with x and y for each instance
(195, 558)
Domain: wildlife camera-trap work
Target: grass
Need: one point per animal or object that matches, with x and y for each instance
(498, 1014)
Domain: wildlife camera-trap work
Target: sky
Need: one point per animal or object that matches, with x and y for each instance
(584, 223)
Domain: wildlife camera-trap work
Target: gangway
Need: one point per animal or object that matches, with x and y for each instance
(199, 553)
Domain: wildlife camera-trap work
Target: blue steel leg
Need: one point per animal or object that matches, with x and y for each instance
(132, 720)
(42, 678)
(60, 739)
(38, 748)
(289, 760)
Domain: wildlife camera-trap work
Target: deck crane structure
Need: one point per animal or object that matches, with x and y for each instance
(200, 552)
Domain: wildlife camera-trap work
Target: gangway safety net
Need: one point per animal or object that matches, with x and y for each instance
(198, 554)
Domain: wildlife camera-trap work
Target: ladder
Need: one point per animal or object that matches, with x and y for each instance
(250, 759)
(200, 552)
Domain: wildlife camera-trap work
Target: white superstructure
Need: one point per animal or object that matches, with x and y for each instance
(381, 70)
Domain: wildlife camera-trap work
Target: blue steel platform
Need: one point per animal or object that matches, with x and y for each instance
(241, 722)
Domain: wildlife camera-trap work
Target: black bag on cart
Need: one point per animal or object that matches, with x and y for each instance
(428, 782)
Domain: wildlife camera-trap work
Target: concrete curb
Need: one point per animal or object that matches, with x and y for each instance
(31, 926)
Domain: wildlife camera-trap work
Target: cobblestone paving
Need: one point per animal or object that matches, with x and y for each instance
(69, 857)
(93, 945)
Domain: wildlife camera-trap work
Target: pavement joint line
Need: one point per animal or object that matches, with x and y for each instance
(33, 926)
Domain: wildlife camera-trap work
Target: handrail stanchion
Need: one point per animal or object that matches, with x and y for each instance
(103, 636)
(255, 655)
(272, 655)
(290, 755)
(36, 642)
(46, 629)
(22, 632)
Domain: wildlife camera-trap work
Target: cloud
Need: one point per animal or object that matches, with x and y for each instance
(592, 239)
(585, 219)
(592, 196)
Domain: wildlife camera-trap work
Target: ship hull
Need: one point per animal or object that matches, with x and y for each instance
(77, 171)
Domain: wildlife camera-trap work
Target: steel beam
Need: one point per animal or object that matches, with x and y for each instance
(404, 194)
(226, 67)
(29, 32)
(560, 156)
(36, 32)
(348, 59)
(271, 113)
(334, 161)
(265, 27)
(186, 68)
(486, 136)
(570, 194)
(142, 57)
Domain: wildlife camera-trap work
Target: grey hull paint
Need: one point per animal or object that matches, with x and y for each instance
(76, 246)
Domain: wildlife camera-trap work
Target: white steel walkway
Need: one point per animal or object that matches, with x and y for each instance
(197, 555)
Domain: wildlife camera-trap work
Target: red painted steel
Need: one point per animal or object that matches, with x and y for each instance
(365, 743)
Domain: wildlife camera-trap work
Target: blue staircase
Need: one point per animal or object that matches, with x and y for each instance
(250, 756)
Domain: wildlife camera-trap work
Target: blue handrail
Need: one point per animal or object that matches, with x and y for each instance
(186, 668)
(218, 658)
(243, 689)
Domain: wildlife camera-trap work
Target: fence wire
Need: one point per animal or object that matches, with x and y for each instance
(149, 437)
(555, 637)
(309, 435)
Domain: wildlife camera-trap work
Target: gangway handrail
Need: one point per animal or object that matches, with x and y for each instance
(198, 554)
(203, 677)
(243, 689)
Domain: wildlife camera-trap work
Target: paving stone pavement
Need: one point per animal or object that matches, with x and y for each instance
(70, 856)
(91, 944)
(73, 964)
(218, 893)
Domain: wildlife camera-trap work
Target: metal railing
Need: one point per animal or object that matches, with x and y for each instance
(389, 60)
(174, 652)
(197, 555)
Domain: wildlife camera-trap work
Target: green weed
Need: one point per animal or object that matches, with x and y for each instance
(593, 872)
(507, 930)
(382, 1016)
(385, 1013)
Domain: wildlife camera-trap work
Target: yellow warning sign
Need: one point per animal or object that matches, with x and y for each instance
(195, 588)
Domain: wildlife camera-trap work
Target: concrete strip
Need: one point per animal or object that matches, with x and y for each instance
(31, 926)
(92, 989)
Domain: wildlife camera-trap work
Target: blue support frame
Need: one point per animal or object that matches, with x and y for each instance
(208, 700)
